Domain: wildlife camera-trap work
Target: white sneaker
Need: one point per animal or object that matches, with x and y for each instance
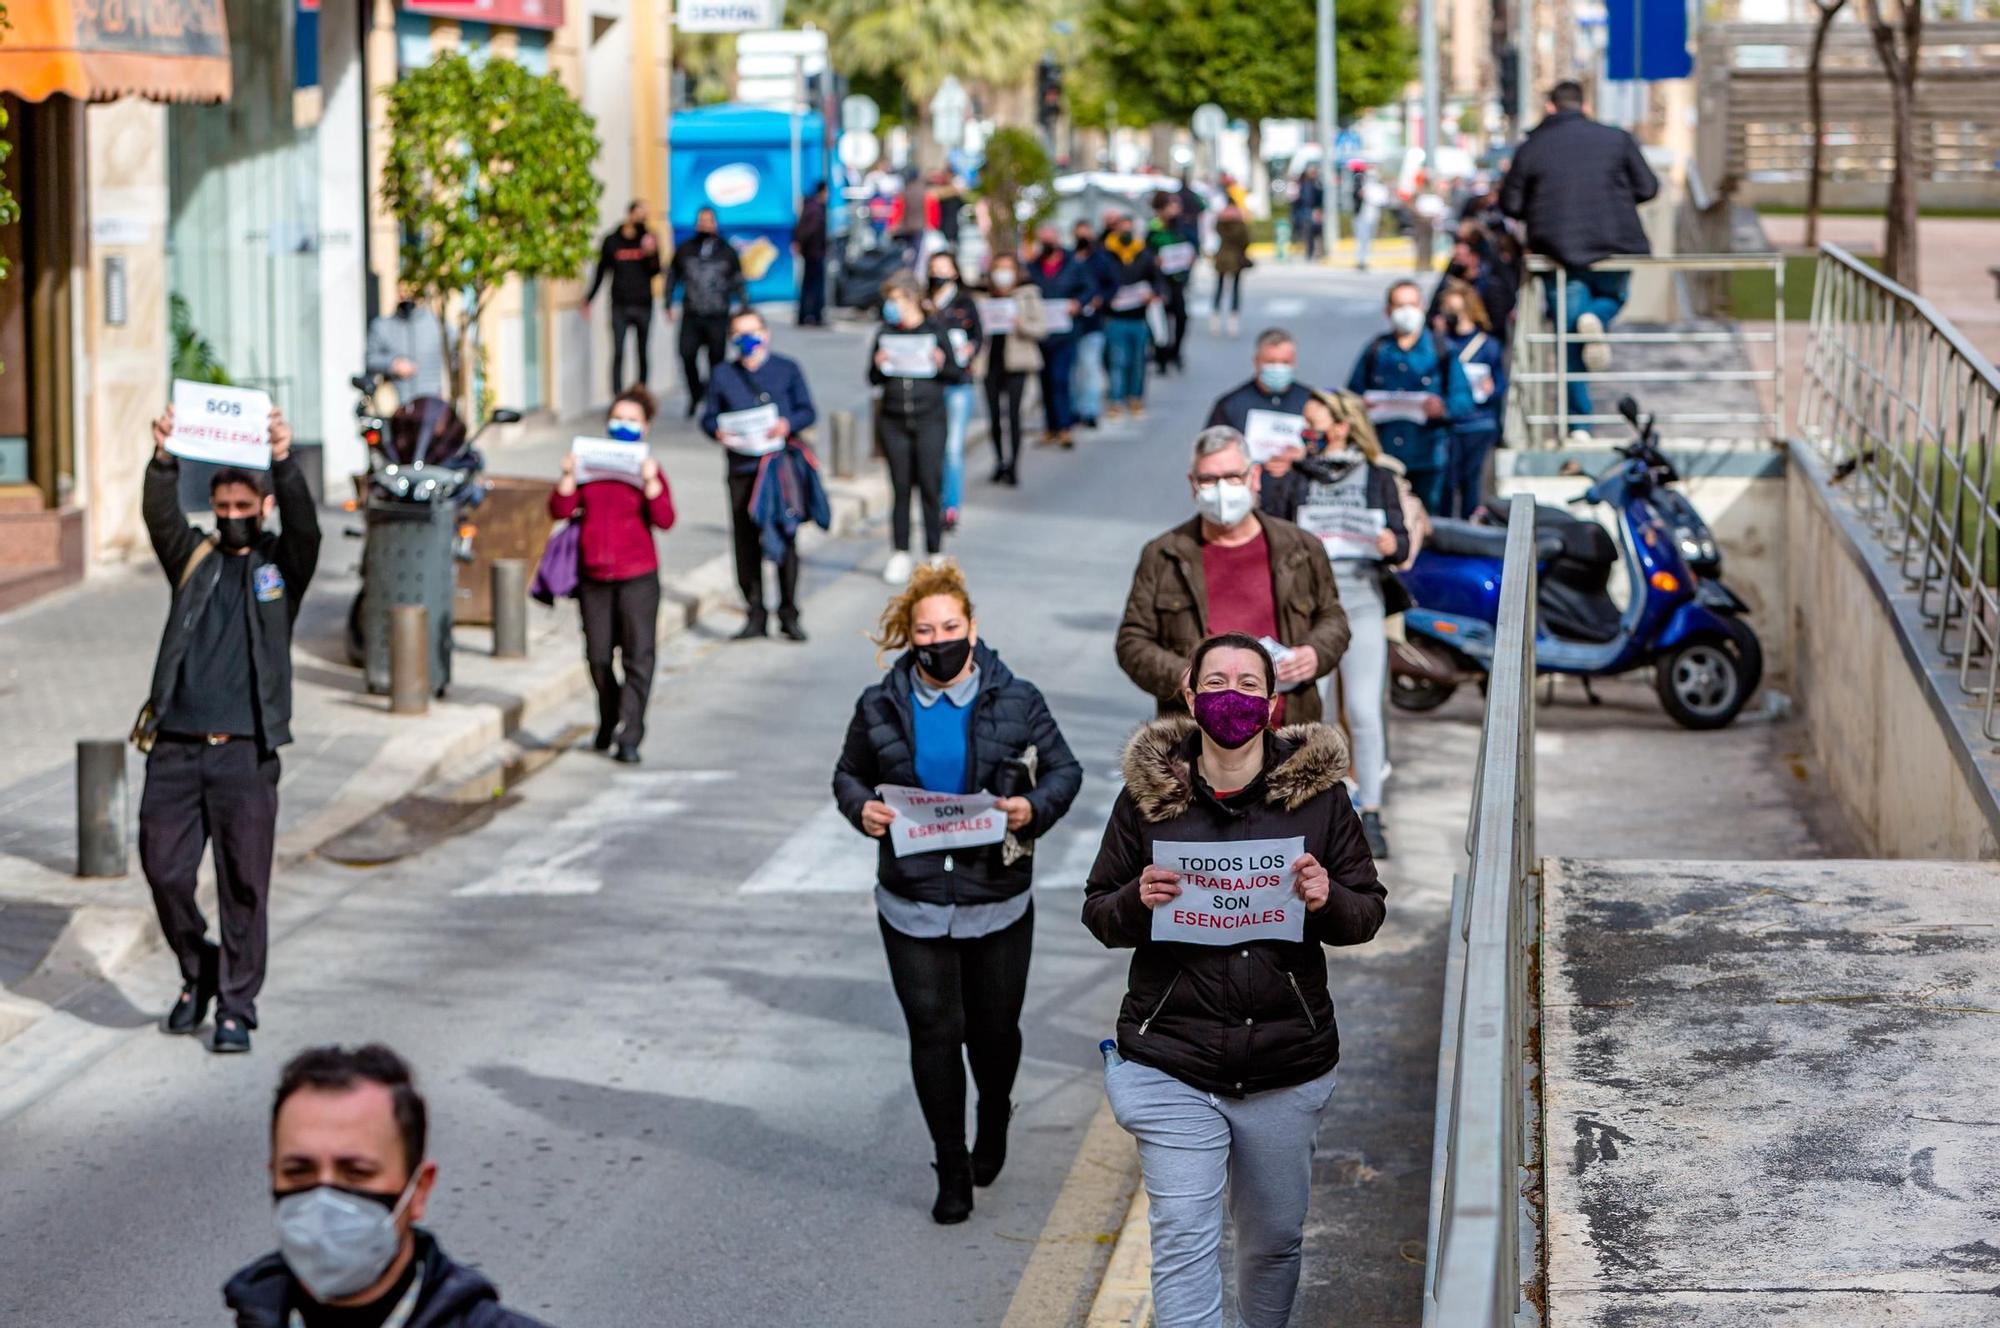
(897, 573)
(1215, 325)
(1235, 325)
(1596, 354)
(938, 559)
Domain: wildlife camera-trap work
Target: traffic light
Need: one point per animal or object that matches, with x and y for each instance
(1510, 79)
(1048, 91)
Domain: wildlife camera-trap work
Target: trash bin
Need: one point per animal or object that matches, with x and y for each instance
(512, 522)
(411, 559)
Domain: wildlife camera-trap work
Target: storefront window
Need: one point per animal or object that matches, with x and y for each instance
(243, 222)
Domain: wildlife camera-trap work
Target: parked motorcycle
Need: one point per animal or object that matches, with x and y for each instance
(1680, 620)
(422, 486)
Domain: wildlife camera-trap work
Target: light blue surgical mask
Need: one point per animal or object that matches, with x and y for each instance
(891, 312)
(1276, 377)
(625, 431)
(747, 344)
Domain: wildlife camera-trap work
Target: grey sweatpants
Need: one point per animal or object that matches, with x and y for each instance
(1190, 1144)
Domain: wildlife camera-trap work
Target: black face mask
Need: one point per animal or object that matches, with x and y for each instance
(943, 661)
(939, 283)
(236, 533)
(404, 308)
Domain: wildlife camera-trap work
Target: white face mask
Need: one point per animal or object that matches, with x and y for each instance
(1003, 281)
(336, 1243)
(1224, 502)
(1407, 319)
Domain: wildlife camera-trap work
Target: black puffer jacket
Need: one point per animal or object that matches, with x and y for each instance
(914, 398)
(708, 269)
(1577, 184)
(1008, 717)
(453, 1296)
(1247, 1017)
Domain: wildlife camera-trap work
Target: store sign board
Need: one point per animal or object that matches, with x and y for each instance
(506, 13)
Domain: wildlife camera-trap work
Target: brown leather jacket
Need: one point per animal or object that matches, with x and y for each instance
(1166, 614)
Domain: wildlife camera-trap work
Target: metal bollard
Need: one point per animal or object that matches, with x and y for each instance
(843, 445)
(100, 808)
(409, 659)
(510, 608)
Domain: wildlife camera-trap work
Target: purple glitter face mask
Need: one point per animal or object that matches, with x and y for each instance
(1232, 718)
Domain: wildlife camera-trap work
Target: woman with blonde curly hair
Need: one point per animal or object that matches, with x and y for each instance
(958, 925)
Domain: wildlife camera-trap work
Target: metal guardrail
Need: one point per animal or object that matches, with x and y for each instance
(1908, 413)
(1485, 1157)
(1542, 373)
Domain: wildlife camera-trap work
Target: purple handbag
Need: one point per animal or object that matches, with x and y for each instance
(557, 574)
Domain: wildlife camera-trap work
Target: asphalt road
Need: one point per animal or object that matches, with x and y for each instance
(667, 1074)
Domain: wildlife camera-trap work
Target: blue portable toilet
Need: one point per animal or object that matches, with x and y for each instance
(738, 160)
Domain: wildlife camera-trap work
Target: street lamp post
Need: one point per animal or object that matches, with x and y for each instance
(1427, 35)
(1327, 91)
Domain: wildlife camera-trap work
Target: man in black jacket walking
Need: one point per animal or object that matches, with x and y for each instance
(219, 709)
(707, 269)
(348, 1133)
(809, 246)
(630, 256)
(1577, 186)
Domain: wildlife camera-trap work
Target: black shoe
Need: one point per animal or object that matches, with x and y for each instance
(605, 732)
(954, 1197)
(999, 475)
(192, 1006)
(753, 627)
(989, 1153)
(1371, 830)
(790, 628)
(232, 1033)
(1013, 478)
(627, 753)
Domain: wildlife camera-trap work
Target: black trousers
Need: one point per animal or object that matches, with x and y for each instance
(1169, 355)
(623, 616)
(638, 319)
(961, 994)
(226, 795)
(812, 290)
(1004, 391)
(915, 449)
(749, 542)
(1229, 286)
(702, 332)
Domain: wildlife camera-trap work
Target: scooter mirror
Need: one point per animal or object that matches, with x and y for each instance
(505, 416)
(1629, 409)
(362, 382)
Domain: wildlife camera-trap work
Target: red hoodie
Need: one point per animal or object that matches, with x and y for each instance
(618, 523)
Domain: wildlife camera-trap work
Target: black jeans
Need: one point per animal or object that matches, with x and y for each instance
(1005, 388)
(622, 616)
(227, 794)
(961, 994)
(1169, 355)
(812, 290)
(749, 545)
(915, 449)
(638, 318)
(1229, 287)
(699, 332)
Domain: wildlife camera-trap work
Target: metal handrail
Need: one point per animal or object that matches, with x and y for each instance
(1908, 411)
(1542, 375)
(1482, 1149)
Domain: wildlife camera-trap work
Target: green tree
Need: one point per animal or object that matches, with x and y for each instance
(983, 43)
(489, 177)
(1016, 167)
(1159, 59)
(10, 210)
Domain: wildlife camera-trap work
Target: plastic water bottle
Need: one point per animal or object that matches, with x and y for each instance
(1109, 1049)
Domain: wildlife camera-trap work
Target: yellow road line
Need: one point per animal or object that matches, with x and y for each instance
(1061, 1279)
(1125, 1300)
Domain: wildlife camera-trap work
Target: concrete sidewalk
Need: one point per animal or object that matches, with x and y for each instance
(77, 666)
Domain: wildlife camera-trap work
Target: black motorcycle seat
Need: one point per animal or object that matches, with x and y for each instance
(1465, 539)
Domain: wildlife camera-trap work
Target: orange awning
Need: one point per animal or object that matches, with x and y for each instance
(97, 50)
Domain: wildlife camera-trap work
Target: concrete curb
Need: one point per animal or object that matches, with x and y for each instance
(1066, 1273)
(1125, 1297)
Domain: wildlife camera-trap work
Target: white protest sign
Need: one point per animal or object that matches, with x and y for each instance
(910, 354)
(1056, 317)
(1346, 531)
(229, 426)
(751, 431)
(1269, 433)
(998, 315)
(961, 345)
(1131, 296)
(1479, 377)
(1231, 891)
(929, 822)
(608, 459)
(1397, 407)
(1175, 259)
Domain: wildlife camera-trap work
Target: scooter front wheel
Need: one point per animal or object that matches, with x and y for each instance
(1704, 683)
(1418, 694)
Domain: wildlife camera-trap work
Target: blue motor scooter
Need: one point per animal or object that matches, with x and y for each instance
(1687, 627)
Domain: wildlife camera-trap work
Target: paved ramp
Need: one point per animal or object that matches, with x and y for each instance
(1772, 1094)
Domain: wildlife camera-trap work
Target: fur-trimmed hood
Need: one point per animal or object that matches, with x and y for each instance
(1159, 766)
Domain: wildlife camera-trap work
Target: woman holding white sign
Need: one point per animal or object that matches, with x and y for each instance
(618, 575)
(911, 362)
(1345, 492)
(1233, 855)
(1012, 351)
(978, 768)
